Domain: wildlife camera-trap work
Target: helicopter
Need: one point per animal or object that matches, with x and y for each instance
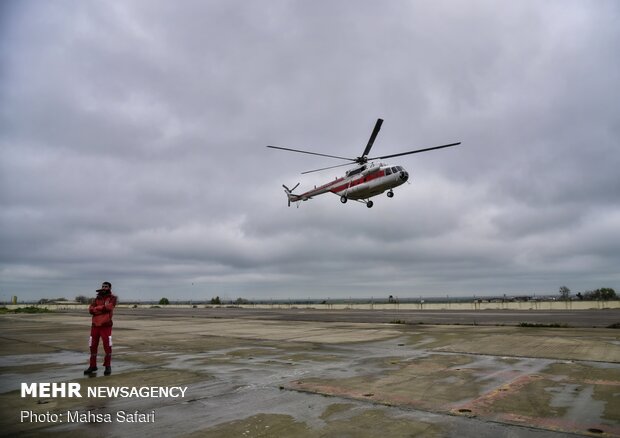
(365, 180)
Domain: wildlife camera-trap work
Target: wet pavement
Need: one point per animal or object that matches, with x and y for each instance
(280, 378)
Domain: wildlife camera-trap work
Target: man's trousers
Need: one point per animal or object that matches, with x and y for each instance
(105, 333)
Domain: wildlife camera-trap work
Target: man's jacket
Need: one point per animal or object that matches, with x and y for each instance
(102, 308)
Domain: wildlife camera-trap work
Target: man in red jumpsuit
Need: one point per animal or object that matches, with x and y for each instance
(101, 308)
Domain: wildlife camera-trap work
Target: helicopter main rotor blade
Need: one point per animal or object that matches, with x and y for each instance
(311, 153)
(375, 131)
(416, 151)
(325, 168)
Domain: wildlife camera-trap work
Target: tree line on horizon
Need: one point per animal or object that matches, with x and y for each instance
(602, 294)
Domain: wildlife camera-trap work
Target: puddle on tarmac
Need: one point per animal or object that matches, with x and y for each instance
(491, 371)
(58, 366)
(578, 401)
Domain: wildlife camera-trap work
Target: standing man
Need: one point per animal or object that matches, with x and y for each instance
(101, 308)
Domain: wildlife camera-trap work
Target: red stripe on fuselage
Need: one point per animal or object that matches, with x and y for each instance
(340, 184)
(321, 189)
(358, 181)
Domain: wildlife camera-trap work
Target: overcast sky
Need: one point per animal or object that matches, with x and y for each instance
(133, 134)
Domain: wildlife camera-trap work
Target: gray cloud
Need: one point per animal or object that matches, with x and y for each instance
(132, 142)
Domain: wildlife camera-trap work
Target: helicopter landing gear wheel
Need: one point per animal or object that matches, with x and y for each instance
(343, 199)
(390, 194)
(369, 204)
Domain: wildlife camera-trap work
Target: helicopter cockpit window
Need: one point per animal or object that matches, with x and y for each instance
(394, 169)
(388, 171)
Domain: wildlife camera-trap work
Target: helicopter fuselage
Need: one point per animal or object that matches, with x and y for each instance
(363, 182)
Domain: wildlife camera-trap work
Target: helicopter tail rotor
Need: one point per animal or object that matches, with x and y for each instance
(289, 194)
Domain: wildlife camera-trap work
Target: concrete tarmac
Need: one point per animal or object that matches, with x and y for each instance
(304, 374)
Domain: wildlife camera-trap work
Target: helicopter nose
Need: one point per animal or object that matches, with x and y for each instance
(404, 175)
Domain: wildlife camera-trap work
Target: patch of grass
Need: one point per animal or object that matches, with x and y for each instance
(539, 325)
(402, 321)
(28, 309)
